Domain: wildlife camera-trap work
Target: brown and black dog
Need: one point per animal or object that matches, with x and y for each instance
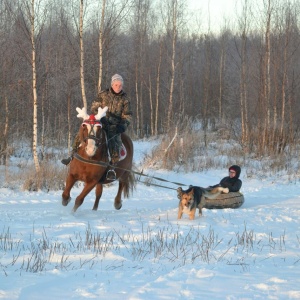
(194, 197)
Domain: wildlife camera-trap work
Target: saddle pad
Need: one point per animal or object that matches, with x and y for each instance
(123, 152)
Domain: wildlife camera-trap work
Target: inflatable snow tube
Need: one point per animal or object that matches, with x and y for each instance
(230, 200)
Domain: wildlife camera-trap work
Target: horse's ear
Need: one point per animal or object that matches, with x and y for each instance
(101, 112)
(82, 113)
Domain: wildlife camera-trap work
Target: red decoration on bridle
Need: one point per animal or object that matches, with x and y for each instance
(92, 121)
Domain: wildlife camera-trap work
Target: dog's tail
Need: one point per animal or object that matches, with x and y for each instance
(213, 193)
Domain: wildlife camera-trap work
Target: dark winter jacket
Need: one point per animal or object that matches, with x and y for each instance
(233, 184)
(119, 109)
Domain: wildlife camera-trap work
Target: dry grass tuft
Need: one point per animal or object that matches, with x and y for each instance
(194, 150)
(50, 177)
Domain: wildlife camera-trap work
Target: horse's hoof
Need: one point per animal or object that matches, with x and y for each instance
(118, 207)
(65, 202)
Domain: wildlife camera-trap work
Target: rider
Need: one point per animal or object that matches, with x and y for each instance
(118, 115)
(117, 119)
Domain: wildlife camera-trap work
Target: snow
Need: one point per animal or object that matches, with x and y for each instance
(143, 252)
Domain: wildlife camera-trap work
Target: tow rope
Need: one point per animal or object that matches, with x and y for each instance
(104, 164)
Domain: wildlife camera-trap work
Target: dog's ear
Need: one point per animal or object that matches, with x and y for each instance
(179, 193)
(191, 191)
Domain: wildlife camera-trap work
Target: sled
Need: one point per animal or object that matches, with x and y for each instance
(230, 200)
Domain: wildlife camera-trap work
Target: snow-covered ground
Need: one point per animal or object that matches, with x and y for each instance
(143, 251)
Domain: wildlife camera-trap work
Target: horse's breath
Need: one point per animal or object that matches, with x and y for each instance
(94, 149)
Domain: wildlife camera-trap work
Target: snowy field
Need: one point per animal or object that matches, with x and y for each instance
(143, 251)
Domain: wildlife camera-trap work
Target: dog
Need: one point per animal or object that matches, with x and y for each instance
(194, 197)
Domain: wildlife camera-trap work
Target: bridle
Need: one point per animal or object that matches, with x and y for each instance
(92, 134)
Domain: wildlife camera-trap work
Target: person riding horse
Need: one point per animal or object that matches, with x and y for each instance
(117, 119)
(90, 162)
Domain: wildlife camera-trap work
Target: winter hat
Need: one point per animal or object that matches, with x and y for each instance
(237, 170)
(116, 77)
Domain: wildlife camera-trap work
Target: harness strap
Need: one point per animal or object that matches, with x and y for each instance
(90, 161)
(104, 164)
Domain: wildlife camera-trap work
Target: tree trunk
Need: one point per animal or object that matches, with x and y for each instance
(206, 86)
(243, 90)
(157, 90)
(35, 121)
(284, 77)
(82, 55)
(137, 103)
(101, 42)
(69, 119)
(174, 40)
(267, 79)
(5, 137)
(151, 107)
(221, 71)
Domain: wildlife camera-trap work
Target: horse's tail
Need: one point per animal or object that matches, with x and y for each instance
(129, 185)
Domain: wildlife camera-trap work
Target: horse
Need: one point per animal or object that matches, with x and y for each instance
(91, 162)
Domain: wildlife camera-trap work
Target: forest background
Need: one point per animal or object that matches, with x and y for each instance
(241, 83)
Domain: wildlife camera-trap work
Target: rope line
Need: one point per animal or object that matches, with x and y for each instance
(103, 164)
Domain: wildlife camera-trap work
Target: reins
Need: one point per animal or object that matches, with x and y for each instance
(104, 164)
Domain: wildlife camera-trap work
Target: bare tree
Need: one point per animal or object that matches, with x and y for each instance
(243, 73)
(82, 55)
(101, 42)
(140, 27)
(288, 19)
(34, 92)
(157, 93)
(174, 12)
(266, 73)
(221, 76)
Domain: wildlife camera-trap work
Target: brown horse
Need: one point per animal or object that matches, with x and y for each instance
(91, 162)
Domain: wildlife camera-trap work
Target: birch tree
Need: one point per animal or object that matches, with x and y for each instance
(221, 75)
(34, 92)
(140, 29)
(173, 12)
(267, 74)
(284, 83)
(101, 43)
(157, 93)
(82, 55)
(244, 24)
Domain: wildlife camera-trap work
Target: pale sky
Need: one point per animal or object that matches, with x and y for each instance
(218, 10)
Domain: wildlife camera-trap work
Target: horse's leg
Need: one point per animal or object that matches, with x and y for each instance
(98, 191)
(66, 193)
(118, 200)
(87, 188)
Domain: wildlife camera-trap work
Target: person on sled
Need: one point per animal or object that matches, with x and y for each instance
(117, 119)
(232, 182)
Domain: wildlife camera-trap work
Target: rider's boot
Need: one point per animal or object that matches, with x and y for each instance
(111, 174)
(75, 145)
(66, 161)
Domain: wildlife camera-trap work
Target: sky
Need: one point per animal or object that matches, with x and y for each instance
(142, 251)
(214, 12)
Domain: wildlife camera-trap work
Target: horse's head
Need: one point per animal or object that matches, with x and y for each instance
(90, 129)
